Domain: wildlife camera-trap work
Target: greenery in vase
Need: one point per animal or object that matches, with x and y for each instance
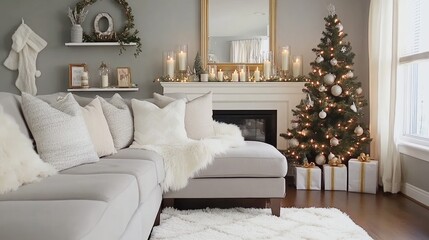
(328, 123)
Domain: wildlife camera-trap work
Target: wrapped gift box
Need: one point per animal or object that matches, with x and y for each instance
(308, 178)
(363, 176)
(335, 177)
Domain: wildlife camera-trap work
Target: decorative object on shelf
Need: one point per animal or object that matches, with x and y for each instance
(22, 57)
(297, 66)
(363, 174)
(335, 177)
(124, 76)
(336, 90)
(268, 64)
(198, 65)
(242, 73)
(182, 57)
(103, 70)
(234, 76)
(85, 80)
(77, 16)
(109, 35)
(257, 75)
(168, 63)
(220, 75)
(128, 33)
(75, 74)
(204, 77)
(212, 72)
(285, 60)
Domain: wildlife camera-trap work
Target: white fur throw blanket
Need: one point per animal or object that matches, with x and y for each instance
(183, 160)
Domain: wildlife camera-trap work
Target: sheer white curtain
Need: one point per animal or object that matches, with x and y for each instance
(384, 125)
(245, 51)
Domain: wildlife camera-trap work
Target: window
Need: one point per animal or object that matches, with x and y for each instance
(413, 70)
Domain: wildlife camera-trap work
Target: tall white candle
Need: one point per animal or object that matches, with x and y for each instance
(242, 75)
(182, 60)
(234, 76)
(212, 75)
(257, 75)
(296, 68)
(220, 75)
(267, 69)
(170, 66)
(285, 59)
(104, 80)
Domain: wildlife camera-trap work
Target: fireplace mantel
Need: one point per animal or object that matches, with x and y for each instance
(280, 96)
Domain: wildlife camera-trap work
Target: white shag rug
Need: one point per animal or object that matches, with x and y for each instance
(251, 223)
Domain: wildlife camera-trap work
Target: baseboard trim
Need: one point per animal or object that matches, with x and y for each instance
(416, 193)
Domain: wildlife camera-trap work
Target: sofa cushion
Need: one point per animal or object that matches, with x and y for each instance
(143, 171)
(143, 155)
(12, 105)
(254, 159)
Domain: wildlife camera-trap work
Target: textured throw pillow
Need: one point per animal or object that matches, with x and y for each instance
(19, 163)
(61, 136)
(119, 119)
(98, 128)
(198, 117)
(158, 126)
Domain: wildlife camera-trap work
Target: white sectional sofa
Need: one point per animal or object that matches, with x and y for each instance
(119, 197)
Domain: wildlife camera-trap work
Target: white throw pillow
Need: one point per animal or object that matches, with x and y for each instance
(19, 163)
(119, 119)
(98, 128)
(198, 117)
(158, 126)
(61, 136)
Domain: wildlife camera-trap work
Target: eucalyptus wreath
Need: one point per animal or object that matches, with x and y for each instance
(128, 33)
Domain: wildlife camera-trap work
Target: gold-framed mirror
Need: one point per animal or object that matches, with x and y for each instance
(229, 26)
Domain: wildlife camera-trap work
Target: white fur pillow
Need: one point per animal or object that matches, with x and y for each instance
(198, 116)
(158, 126)
(119, 119)
(19, 163)
(98, 128)
(61, 136)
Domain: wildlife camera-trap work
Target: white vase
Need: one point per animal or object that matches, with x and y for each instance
(204, 77)
(76, 33)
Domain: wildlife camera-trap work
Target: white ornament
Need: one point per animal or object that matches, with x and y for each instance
(336, 90)
(359, 130)
(329, 78)
(334, 62)
(330, 156)
(334, 141)
(322, 88)
(350, 74)
(294, 125)
(293, 142)
(353, 107)
(343, 49)
(305, 131)
(340, 27)
(322, 114)
(320, 159)
(310, 102)
(319, 59)
(359, 90)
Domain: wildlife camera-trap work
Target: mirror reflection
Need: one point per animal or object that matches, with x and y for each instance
(238, 31)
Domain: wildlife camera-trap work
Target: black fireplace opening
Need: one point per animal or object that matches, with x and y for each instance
(255, 125)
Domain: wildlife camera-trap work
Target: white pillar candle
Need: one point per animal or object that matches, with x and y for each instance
(104, 80)
(296, 68)
(257, 75)
(212, 75)
(220, 75)
(234, 76)
(242, 75)
(267, 69)
(285, 59)
(170, 66)
(182, 60)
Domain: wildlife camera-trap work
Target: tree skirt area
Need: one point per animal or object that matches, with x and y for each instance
(251, 223)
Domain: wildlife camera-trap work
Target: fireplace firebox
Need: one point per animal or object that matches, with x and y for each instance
(256, 125)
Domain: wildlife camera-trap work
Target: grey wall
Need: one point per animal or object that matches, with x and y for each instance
(415, 172)
(162, 25)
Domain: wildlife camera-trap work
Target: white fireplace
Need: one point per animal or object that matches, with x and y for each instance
(279, 96)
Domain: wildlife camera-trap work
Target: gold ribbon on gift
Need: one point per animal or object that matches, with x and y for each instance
(335, 162)
(332, 178)
(309, 166)
(364, 157)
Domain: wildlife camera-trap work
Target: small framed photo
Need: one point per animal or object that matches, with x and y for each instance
(124, 76)
(75, 74)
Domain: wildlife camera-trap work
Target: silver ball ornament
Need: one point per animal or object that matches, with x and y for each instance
(359, 90)
(322, 88)
(319, 59)
(334, 62)
(358, 130)
(322, 114)
(329, 78)
(294, 125)
(334, 141)
(336, 90)
(293, 142)
(349, 74)
(330, 156)
(320, 159)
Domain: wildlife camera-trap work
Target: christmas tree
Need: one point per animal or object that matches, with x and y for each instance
(328, 123)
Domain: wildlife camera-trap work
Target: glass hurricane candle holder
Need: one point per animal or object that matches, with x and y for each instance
(212, 70)
(284, 58)
(268, 65)
(297, 66)
(168, 64)
(182, 57)
(103, 70)
(242, 73)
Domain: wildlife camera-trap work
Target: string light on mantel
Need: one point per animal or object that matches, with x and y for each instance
(328, 123)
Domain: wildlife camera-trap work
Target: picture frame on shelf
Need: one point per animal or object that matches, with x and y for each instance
(123, 77)
(75, 74)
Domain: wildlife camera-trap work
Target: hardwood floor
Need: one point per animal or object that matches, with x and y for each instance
(383, 216)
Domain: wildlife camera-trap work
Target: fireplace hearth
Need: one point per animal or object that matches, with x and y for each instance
(256, 125)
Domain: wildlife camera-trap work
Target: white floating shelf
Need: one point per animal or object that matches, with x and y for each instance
(93, 44)
(111, 89)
